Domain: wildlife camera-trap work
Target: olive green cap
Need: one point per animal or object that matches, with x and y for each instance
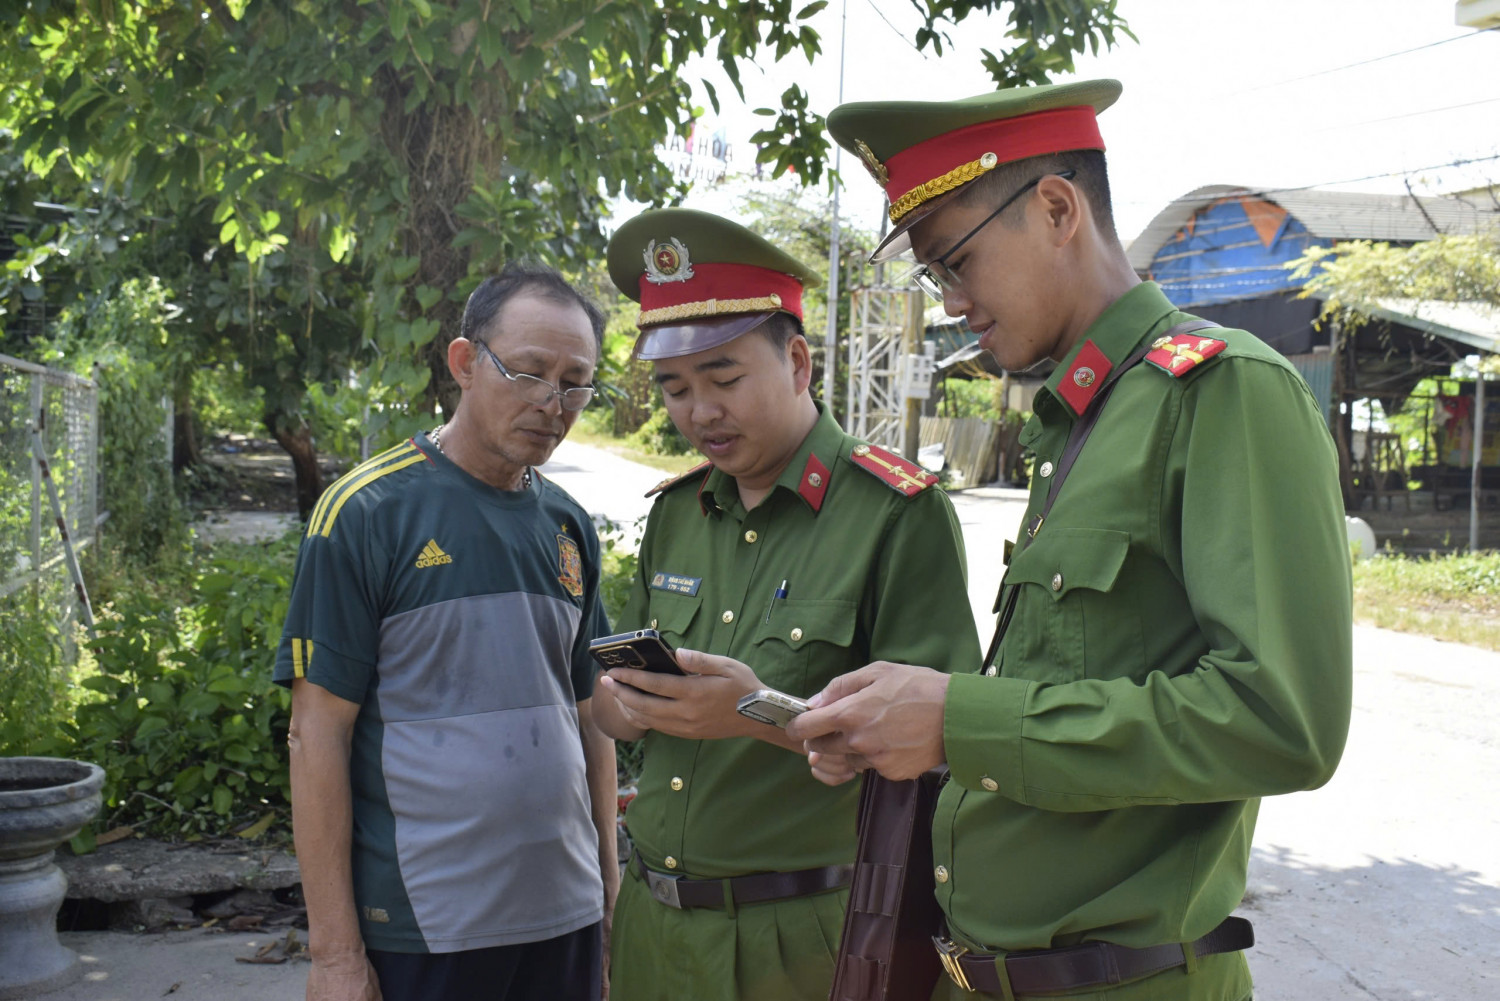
(701, 279)
(921, 151)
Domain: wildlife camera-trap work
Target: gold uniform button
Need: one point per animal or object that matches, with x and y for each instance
(1056, 584)
(671, 862)
(796, 635)
(653, 623)
(940, 874)
(861, 450)
(1046, 470)
(988, 160)
(989, 784)
(677, 783)
(728, 615)
(990, 671)
(751, 536)
(775, 300)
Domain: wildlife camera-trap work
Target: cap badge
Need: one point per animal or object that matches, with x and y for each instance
(1084, 377)
(667, 262)
(872, 164)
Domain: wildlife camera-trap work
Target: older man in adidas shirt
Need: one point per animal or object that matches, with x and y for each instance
(452, 802)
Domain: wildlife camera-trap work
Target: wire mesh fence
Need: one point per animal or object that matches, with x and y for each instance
(65, 407)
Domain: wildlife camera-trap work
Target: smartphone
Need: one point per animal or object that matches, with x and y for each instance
(641, 649)
(771, 706)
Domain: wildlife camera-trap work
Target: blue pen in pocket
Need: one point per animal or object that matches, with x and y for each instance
(778, 594)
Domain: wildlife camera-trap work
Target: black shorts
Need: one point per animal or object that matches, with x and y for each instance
(566, 968)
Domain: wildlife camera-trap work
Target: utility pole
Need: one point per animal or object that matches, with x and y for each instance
(1474, 474)
(831, 338)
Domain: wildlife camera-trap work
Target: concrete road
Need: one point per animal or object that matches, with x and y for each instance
(1383, 886)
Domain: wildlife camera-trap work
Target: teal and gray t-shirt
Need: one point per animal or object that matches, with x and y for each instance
(458, 617)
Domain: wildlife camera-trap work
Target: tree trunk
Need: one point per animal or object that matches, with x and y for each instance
(184, 441)
(295, 436)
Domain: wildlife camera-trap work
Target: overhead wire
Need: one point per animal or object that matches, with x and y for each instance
(1366, 62)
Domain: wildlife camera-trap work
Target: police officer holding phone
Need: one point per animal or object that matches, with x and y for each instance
(794, 554)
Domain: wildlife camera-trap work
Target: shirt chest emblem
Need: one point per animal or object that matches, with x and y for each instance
(569, 566)
(432, 555)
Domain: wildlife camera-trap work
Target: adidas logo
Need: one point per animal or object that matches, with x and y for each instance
(432, 556)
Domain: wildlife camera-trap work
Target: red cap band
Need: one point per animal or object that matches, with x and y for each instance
(718, 282)
(1010, 139)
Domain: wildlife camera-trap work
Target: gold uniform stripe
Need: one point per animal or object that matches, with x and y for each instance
(307, 658)
(928, 190)
(708, 307)
(321, 508)
(363, 481)
(298, 668)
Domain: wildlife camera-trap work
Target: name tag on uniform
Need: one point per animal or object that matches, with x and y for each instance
(676, 583)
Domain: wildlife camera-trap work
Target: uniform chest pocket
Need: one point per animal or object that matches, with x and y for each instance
(672, 615)
(804, 645)
(1066, 608)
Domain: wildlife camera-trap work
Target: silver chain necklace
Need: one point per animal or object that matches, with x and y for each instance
(436, 434)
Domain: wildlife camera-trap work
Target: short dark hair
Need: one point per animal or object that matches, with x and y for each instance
(1090, 175)
(780, 328)
(523, 278)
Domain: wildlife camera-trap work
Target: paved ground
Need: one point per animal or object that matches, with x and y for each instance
(1384, 885)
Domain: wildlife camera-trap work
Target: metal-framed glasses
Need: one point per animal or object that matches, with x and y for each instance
(539, 392)
(936, 277)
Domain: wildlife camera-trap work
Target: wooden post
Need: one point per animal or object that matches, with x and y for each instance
(911, 344)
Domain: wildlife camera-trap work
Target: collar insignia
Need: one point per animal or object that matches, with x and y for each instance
(667, 262)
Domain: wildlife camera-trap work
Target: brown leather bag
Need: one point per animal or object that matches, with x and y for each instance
(886, 951)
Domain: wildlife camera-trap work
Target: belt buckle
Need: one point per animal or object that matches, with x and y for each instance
(950, 952)
(663, 888)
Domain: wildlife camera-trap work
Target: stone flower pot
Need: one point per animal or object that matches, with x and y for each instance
(43, 802)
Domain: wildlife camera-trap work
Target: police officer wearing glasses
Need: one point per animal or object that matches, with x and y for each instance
(1174, 628)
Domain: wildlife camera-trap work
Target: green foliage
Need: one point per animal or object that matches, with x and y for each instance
(1353, 276)
(970, 398)
(33, 682)
(660, 435)
(121, 340)
(186, 721)
(1461, 576)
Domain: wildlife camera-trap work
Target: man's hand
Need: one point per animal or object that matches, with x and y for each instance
(348, 978)
(884, 716)
(699, 706)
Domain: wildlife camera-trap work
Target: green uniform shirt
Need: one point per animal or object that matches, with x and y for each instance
(1181, 646)
(871, 574)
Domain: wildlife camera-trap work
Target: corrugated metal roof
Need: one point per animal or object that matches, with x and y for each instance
(1332, 215)
(1473, 324)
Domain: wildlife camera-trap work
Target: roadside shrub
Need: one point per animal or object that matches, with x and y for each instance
(187, 723)
(661, 436)
(33, 683)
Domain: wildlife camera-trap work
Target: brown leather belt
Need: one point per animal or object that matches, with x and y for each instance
(681, 892)
(1095, 964)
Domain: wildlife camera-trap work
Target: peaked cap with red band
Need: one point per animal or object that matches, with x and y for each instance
(701, 280)
(922, 151)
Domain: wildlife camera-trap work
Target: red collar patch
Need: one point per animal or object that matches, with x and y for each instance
(1178, 355)
(814, 483)
(1084, 377)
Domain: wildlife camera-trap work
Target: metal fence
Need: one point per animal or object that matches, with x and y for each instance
(31, 548)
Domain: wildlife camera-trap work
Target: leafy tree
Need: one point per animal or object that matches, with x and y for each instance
(1352, 277)
(338, 173)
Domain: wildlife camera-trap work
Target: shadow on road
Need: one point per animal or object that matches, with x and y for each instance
(1390, 930)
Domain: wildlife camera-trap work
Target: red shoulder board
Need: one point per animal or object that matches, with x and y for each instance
(1178, 355)
(672, 481)
(892, 470)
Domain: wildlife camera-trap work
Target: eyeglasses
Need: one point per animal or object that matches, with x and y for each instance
(539, 392)
(936, 277)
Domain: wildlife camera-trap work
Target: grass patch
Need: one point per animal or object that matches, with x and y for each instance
(586, 435)
(1455, 598)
